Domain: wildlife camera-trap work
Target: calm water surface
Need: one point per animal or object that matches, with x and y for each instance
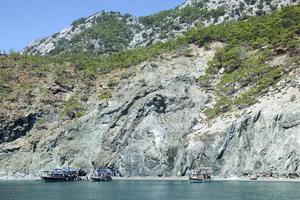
(149, 190)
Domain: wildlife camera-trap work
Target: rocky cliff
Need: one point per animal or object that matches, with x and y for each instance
(223, 96)
(154, 124)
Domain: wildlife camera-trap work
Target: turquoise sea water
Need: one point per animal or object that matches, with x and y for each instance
(149, 190)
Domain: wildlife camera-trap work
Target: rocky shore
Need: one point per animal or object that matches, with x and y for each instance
(172, 178)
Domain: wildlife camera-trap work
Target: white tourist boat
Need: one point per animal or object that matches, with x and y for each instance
(201, 175)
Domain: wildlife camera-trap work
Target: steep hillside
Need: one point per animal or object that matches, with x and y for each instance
(225, 96)
(107, 32)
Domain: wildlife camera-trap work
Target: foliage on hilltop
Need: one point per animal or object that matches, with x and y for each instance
(108, 32)
(248, 45)
(279, 29)
(165, 20)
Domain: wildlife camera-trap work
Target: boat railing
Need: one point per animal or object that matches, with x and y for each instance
(102, 172)
(203, 171)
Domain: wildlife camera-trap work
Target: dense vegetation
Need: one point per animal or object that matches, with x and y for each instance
(245, 74)
(243, 59)
(249, 45)
(26, 79)
(9, 66)
(166, 20)
(108, 32)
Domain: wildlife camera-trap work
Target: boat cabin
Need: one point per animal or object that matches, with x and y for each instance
(105, 171)
(102, 174)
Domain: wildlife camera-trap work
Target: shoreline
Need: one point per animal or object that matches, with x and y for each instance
(214, 178)
(14, 178)
(171, 178)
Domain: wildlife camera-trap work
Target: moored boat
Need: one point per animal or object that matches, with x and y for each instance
(60, 174)
(101, 178)
(102, 174)
(202, 175)
(253, 178)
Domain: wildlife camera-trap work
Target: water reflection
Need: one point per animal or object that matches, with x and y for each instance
(149, 190)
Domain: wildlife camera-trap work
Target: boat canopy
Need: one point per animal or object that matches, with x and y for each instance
(104, 171)
(201, 171)
(62, 171)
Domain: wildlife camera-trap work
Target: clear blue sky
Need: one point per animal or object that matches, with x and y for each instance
(23, 21)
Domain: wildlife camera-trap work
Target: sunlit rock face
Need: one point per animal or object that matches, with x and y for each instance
(154, 124)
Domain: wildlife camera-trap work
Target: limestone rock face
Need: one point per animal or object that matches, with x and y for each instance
(257, 143)
(154, 124)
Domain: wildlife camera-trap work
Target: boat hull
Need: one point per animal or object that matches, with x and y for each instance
(99, 179)
(253, 179)
(53, 179)
(199, 180)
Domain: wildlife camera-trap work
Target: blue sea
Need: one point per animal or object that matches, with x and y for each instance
(149, 190)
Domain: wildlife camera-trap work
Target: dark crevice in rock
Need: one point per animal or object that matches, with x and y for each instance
(288, 126)
(244, 125)
(184, 173)
(124, 110)
(257, 116)
(278, 117)
(159, 104)
(228, 138)
(291, 120)
(109, 112)
(60, 88)
(171, 154)
(16, 129)
(9, 150)
(119, 139)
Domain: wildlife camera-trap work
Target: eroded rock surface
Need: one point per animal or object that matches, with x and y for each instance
(154, 124)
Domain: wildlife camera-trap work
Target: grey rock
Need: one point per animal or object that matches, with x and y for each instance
(17, 128)
(159, 129)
